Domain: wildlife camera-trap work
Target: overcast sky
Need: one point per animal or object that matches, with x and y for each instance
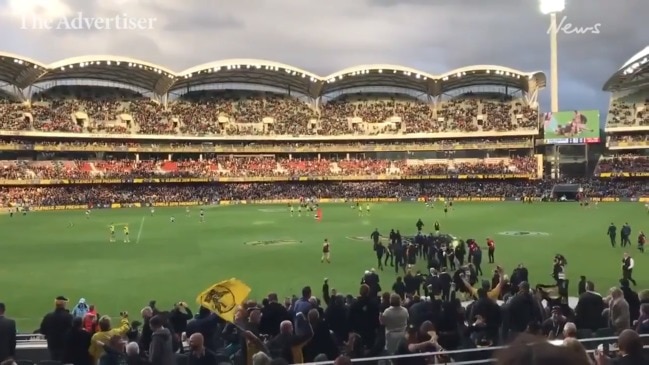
(325, 36)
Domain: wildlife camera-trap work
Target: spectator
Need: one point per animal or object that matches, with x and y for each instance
(105, 334)
(577, 348)
(554, 326)
(569, 331)
(77, 342)
(322, 341)
(618, 314)
(289, 343)
(113, 351)
(631, 298)
(531, 350)
(178, 318)
(198, 353)
(523, 309)
(161, 350)
(589, 309)
(272, 315)
(364, 316)
(133, 356)
(55, 326)
(630, 351)
(7, 335)
(395, 321)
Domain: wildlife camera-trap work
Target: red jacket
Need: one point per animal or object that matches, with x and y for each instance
(491, 244)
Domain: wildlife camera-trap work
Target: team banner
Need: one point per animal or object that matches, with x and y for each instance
(174, 204)
(571, 127)
(224, 297)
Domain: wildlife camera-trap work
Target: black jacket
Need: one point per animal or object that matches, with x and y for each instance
(55, 326)
(632, 298)
(272, 316)
(178, 319)
(7, 338)
(364, 318)
(588, 312)
(523, 310)
(77, 342)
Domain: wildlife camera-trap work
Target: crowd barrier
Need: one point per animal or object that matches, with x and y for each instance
(297, 201)
(201, 148)
(224, 179)
(34, 348)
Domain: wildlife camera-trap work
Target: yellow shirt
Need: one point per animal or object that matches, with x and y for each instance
(112, 229)
(126, 230)
(491, 294)
(95, 350)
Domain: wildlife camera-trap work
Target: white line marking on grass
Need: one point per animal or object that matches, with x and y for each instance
(139, 232)
(262, 223)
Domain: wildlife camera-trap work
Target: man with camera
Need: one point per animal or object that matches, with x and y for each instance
(178, 318)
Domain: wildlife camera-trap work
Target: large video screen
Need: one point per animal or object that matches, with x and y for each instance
(571, 127)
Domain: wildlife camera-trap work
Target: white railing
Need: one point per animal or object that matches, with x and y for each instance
(37, 342)
(385, 359)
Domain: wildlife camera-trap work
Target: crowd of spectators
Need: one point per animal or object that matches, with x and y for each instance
(623, 163)
(246, 113)
(627, 139)
(124, 193)
(256, 166)
(633, 111)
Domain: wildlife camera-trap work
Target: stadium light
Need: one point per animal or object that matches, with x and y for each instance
(552, 7)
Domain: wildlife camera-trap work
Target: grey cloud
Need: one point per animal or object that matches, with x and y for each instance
(323, 37)
(203, 22)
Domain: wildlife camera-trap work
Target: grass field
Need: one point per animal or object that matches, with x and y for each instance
(46, 254)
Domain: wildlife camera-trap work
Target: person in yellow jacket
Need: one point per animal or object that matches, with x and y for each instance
(106, 332)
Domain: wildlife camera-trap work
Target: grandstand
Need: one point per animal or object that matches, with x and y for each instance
(117, 96)
(254, 120)
(627, 123)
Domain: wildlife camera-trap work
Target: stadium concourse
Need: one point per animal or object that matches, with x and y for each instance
(98, 131)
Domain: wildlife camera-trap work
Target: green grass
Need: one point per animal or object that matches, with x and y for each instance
(43, 257)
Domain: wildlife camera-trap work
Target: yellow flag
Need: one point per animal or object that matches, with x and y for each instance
(223, 298)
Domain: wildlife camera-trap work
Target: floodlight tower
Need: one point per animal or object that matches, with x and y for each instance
(552, 7)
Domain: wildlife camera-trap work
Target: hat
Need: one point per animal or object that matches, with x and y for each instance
(82, 301)
(60, 301)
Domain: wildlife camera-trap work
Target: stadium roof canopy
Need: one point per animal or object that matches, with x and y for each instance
(250, 71)
(435, 85)
(490, 75)
(123, 70)
(20, 71)
(634, 73)
(379, 76)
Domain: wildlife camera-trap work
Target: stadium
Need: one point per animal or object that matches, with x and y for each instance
(207, 173)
